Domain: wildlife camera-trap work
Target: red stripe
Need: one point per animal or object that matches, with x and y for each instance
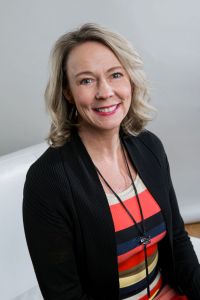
(121, 218)
(136, 259)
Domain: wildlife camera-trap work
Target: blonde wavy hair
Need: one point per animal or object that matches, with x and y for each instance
(63, 117)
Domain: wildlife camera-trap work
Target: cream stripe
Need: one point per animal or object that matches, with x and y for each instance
(129, 280)
(144, 292)
(128, 193)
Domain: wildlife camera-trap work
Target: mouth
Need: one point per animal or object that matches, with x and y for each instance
(107, 109)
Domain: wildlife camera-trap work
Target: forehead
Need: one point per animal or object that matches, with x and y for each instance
(91, 56)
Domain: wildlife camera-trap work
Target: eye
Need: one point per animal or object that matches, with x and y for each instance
(117, 75)
(86, 81)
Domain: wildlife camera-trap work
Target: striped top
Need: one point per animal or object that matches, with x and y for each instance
(131, 259)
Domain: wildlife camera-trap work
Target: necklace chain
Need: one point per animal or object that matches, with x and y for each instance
(144, 239)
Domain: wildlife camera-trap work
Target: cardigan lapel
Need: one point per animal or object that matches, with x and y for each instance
(151, 173)
(96, 224)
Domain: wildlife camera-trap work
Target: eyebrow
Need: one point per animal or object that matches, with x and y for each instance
(91, 73)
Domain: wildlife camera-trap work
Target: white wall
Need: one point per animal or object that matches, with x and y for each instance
(166, 33)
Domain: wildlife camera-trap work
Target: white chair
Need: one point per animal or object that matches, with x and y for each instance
(16, 271)
(17, 277)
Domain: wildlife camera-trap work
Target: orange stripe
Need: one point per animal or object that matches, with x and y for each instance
(120, 216)
(136, 259)
(156, 288)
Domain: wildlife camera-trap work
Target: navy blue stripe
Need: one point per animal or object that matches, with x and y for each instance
(127, 233)
(133, 243)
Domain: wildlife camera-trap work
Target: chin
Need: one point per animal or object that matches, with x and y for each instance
(111, 127)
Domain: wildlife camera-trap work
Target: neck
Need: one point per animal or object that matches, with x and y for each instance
(103, 145)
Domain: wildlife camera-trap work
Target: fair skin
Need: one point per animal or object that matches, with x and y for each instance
(100, 88)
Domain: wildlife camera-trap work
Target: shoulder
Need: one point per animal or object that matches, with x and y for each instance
(45, 162)
(150, 143)
(150, 140)
(46, 188)
(47, 194)
(46, 168)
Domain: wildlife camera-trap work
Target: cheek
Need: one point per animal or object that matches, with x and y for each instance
(81, 98)
(124, 86)
(126, 90)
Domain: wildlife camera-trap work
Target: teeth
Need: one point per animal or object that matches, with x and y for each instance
(107, 109)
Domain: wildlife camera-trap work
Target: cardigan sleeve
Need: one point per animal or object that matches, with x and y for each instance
(49, 236)
(187, 268)
(186, 265)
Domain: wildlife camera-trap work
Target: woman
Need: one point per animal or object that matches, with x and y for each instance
(100, 213)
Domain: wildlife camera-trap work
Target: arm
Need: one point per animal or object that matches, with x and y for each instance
(49, 234)
(187, 268)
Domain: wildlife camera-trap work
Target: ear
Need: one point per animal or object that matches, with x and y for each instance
(68, 95)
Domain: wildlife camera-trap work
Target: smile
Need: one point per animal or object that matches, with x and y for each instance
(107, 110)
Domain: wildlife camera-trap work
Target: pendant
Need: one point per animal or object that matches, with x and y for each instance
(145, 239)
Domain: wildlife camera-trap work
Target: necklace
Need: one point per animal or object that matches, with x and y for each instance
(143, 237)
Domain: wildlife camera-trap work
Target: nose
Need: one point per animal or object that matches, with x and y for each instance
(104, 90)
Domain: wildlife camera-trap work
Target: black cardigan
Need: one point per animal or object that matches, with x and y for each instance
(69, 228)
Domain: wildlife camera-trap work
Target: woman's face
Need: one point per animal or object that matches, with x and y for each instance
(99, 87)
